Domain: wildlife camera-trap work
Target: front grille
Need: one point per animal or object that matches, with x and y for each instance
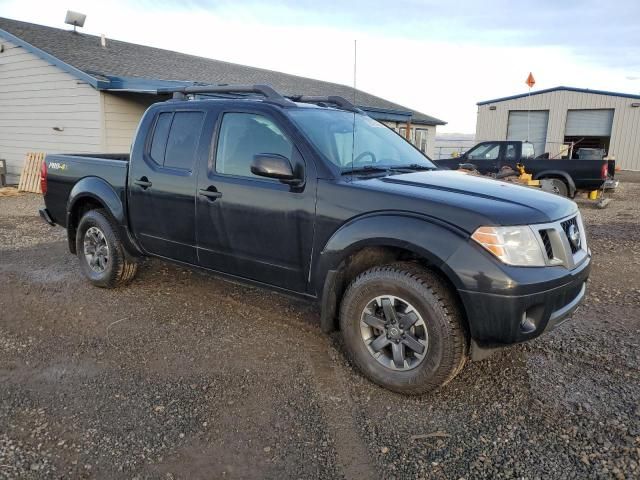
(544, 235)
(566, 225)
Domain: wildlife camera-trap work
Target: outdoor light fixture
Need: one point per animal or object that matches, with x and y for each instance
(76, 19)
(492, 107)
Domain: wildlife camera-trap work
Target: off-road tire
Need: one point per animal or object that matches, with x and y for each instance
(121, 266)
(432, 297)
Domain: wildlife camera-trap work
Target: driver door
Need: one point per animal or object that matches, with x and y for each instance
(255, 227)
(485, 156)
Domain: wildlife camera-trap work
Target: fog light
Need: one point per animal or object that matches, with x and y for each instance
(527, 325)
(531, 318)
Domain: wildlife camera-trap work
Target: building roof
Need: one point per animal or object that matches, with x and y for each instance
(556, 89)
(128, 66)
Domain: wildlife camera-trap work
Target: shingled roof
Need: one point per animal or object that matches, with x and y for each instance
(129, 60)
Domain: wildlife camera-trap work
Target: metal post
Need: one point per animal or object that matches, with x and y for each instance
(528, 115)
(3, 172)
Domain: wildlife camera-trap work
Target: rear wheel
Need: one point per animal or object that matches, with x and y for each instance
(103, 259)
(403, 328)
(559, 187)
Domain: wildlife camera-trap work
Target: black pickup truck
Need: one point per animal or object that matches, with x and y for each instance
(418, 267)
(489, 157)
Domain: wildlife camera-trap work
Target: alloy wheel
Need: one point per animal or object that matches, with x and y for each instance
(394, 333)
(96, 250)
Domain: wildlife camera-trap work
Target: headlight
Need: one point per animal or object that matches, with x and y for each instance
(512, 245)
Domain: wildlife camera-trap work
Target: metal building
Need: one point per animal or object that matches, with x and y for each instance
(556, 118)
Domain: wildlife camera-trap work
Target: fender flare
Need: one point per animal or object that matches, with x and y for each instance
(102, 192)
(428, 238)
(571, 186)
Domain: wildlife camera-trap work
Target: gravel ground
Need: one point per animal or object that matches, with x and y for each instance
(183, 375)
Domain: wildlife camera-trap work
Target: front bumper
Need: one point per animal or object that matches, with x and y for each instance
(497, 320)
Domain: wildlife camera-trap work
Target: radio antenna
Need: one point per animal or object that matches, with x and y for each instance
(353, 129)
(355, 64)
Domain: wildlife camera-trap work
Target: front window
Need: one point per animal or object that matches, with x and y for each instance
(353, 141)
(244, 135)
(485, 151)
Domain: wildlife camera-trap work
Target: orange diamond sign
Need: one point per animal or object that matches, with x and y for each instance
(530, 80)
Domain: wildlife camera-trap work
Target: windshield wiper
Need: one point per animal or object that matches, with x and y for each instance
(413, 166)
(364, 169)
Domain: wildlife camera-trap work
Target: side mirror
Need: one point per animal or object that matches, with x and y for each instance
(272, 165)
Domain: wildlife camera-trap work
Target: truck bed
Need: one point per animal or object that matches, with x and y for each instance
(64, 171)
(586, 174)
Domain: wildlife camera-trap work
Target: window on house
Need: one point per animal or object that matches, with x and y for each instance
(421, 139)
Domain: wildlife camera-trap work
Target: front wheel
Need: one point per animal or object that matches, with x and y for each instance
(103, 258)
(403, 328)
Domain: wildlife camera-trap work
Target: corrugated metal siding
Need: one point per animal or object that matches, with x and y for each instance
(625, 132)
(36, 96)
(122, 113)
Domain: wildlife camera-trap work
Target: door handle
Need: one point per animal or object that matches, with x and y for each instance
(143, 182)
(210, 194)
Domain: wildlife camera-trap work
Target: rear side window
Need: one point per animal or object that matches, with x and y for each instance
(243, 135)
(175, 139)
(159, 140)
(528, 150)
(183, 140)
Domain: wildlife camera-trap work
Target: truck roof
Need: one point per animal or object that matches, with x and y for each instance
(263, 93)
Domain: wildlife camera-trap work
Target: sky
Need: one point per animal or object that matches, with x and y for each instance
(437, 57)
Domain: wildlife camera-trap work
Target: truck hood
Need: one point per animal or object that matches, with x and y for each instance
(469, 201)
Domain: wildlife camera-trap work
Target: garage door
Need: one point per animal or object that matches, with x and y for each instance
(589, 123)
(530, 126)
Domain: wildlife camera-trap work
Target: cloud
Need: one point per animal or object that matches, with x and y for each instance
(603, 32)
(430, 56)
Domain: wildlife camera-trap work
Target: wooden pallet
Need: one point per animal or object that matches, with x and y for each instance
(30, 177)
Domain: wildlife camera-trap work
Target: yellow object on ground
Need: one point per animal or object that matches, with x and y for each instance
(593, 195)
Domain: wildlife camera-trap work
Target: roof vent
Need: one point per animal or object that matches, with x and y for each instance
(76, 19)
(103, 41)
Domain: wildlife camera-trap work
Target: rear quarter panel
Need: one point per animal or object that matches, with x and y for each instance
(65, 171)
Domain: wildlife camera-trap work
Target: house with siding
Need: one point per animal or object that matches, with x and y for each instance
(65, 91)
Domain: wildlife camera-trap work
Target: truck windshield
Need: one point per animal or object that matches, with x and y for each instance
(357, 142)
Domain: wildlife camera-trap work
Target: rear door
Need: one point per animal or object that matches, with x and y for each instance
(162, 185)
(250, 226)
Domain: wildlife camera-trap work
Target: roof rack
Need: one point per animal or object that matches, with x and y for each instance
(334, 99)
(265, 90)
(180, 93)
